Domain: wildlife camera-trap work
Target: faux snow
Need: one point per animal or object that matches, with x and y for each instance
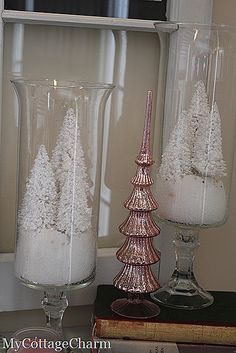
(191, 200)
(52, 258)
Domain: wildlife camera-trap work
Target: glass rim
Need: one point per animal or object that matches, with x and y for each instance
(196, 25)
(62, 83)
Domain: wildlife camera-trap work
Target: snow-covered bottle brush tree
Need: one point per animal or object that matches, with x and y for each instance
(59, 183)
(190, 179)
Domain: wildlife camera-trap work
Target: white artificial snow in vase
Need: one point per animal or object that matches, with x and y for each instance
(51, 258)
(192, 200)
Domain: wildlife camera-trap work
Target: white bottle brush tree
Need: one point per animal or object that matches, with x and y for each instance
(207, 151)
(199, 106)
(176, 157)
(38, 208)
(195, 144)
(68, 162)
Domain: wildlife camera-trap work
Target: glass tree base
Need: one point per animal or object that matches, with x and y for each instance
(135, 308)
(183, 293)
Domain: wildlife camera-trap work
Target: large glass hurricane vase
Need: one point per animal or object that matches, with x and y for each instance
(61, 124)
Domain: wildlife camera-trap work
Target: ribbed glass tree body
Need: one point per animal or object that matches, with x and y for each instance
(61, 124)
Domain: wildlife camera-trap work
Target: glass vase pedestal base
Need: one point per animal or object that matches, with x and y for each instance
(135, 308)
(182, 293)
(54, 302)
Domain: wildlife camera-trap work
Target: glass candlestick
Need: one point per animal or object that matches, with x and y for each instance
(61, 124)
(195, 171)
(182, 290)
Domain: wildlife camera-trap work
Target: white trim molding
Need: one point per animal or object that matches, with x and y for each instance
(56, 19)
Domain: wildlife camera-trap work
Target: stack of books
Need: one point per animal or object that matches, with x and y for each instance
(208, 330)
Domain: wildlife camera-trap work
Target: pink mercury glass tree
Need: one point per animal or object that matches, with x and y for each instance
(138, 253)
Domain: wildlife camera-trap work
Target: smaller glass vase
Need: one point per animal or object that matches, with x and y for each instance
(198, 141)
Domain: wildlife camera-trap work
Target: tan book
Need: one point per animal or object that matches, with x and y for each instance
(213, 325)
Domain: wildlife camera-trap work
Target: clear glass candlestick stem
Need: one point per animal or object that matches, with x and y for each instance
(182, 291)
(54, 304)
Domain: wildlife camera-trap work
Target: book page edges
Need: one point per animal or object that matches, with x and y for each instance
(187, 333)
